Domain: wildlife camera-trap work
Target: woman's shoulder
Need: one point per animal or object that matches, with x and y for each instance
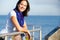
(12, 13)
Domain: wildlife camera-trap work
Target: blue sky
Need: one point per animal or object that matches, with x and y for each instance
(38, 7)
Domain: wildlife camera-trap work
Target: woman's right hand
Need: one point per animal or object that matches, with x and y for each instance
(28, 34)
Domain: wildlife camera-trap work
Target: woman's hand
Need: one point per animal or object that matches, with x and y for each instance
(27, 34)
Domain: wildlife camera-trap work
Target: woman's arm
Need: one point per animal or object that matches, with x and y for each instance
(16, 24)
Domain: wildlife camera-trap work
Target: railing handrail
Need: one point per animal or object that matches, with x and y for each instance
(10, 34)
(14, 33)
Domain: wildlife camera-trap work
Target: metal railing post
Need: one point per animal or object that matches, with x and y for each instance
(40, 34)
(33, 33)
(5, 37)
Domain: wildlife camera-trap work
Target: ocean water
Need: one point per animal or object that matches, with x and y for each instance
(46, 23)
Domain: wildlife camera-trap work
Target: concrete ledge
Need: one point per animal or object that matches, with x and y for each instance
(54, 34)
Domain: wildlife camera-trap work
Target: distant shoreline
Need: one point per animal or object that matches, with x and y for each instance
(36, 15)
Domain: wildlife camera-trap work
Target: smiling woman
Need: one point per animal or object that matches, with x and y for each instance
(16, 22)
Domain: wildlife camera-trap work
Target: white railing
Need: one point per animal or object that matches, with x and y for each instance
(14, 33)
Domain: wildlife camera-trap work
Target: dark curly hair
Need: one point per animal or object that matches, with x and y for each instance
(27, 9)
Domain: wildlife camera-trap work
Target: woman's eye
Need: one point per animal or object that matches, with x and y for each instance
(21, 4)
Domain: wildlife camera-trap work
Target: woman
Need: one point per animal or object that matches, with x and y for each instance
(16, 19)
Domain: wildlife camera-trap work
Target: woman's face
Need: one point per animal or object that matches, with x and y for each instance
(22, 6)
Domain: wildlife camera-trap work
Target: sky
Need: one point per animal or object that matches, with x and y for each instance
(37, 7)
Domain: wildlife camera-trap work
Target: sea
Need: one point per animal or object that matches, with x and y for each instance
(45, 23)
